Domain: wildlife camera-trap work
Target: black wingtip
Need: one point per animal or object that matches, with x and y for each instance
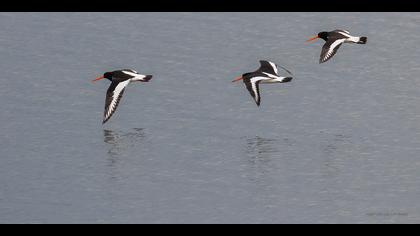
(104, 121)
(287, 79)
(147, 78)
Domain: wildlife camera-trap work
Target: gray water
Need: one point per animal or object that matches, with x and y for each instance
(338, 144)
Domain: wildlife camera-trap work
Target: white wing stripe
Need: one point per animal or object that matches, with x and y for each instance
(136, 76)
(254, 87)
(130, 73)
(258, 78)
(270, 75)
(115, 95)
(274, 67)
(345, 34)
(332, 47)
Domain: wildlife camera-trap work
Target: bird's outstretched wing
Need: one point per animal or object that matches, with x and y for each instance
(253, 87)
(329, 49)
(113, 97)
(268, 67)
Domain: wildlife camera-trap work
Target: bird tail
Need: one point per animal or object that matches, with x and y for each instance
(287, 79)
(147, 78)
(362, 40)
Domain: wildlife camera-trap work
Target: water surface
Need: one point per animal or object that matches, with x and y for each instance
(338, 144)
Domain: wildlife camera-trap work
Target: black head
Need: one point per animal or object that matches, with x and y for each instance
(108, 75)
(247, 75)
(323, 35)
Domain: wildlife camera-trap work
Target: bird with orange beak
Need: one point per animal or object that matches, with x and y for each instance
(266, 74)
(119, 81)
(333, 41)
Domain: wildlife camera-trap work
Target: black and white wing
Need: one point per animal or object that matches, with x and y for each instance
(135, 76)
(268, 67)
(130, 70)
(254, 89)
(329, 49)
(344, 33)
(339, 30)
(113, 97)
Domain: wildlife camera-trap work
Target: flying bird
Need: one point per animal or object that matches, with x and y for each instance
(119, 81)
(266, 74)
(334, 39)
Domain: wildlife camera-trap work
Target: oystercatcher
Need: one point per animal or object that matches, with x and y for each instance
(119, 80)
(267, 73)
(334, 39)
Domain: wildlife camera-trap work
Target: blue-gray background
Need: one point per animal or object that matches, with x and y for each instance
(339, 144)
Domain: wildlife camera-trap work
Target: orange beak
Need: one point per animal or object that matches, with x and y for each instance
(237, 79)
(313, 38)
(99, 78)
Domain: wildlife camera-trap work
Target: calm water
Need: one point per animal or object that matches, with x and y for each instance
(338, 144)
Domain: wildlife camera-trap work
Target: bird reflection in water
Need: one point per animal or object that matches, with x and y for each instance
(121, 142)
(260, 152)
(261, 149)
